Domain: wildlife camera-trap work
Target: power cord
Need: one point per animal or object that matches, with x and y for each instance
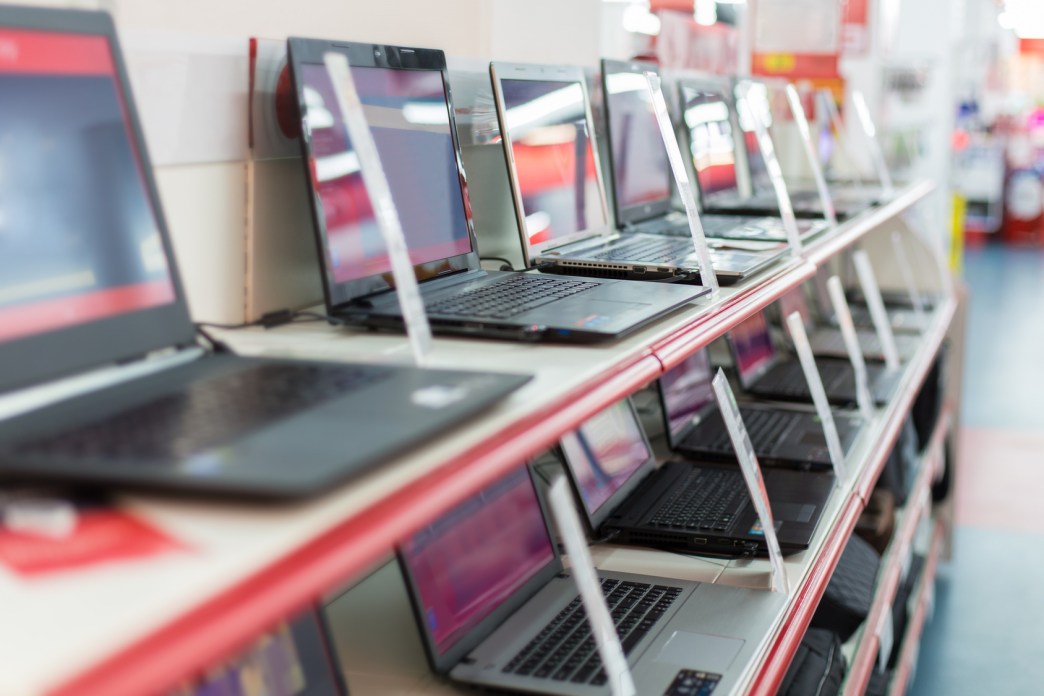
(505, 264)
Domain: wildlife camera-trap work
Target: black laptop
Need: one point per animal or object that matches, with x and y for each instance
(641, 179)
(90, 291)
(768, 373)
(407, 103)
(781, 435)
(682, 506)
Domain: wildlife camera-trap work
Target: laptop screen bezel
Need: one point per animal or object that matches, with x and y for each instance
(640, 211)
(598, 517)
(66, 351)
(471, 639)
(311, 51)
(545, 73)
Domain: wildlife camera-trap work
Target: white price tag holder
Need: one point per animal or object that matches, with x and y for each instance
(681, 180)
(855, 351)
(621, 683)
(748, 462)
(775, 172)
(796, 327)
(418, 331)
(885, 639)
(876, 154)
(872, 295)
(825, 101)
(908, 278)
(798, 112)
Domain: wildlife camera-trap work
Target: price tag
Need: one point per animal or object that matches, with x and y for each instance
(798, 111)
(418, 331)
(872, 294)
(876, 154)
(885, 639)
(819, 398)
(775, 172)
(748, 463)
(621, 683)
(855, 351)
(904, 268)
(681, 180)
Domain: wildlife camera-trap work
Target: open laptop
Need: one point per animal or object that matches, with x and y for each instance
(496, 608)
(547, 132)
(828, 342)
(90, 291)
(769, 373)
(641, 175)
(781, 435)
(901, 314)
(682, 506)
(407, 102)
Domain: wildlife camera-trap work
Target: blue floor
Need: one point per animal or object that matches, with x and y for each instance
(987, 635)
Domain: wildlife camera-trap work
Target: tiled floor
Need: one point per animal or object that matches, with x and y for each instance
(987, 636)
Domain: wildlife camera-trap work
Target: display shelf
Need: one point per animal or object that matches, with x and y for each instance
(892, 563)
(925, 598)
(141, 626)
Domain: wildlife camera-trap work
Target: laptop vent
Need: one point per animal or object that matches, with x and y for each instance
(595, 270)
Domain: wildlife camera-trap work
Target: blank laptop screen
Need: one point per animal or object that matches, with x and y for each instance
(469, 561)
(752, 345)
(711, 141)
(641, 171)
(604, 453)
(408, 114)
(554, 158)
(686, 390)
(79, 239)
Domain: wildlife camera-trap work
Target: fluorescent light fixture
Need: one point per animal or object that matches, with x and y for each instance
(1026, 18)
(637, 19)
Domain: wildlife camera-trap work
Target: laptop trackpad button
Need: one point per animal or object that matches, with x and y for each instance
(793, 512)
(700, 650)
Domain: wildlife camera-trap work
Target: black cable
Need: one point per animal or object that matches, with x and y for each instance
(506, 264)
(216, 345)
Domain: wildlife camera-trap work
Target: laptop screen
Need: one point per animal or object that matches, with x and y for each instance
(752, 347)
(408, 114)
(641, 171)
(686, 389)
(711, 141)
(471, 560)
(546, 121)
(79, 238)
(604, 453)
(757, 100)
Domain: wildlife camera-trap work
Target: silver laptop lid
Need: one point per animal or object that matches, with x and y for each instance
(471, 568)
(548, 136)
(685, 393)
(607, 457)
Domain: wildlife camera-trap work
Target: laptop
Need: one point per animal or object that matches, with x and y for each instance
(827, 341)
(547, 132)
(683, 506)
(497, 609)
(767, 373)
(782, 435)
(641, 174)
(901, 314)
(90, 292)
(407, 102)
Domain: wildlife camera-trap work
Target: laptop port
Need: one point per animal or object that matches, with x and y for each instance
(638, 269)
(663, 269)
(702, 541)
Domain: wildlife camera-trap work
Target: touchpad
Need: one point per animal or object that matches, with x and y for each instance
(700, 650)
(793, 512)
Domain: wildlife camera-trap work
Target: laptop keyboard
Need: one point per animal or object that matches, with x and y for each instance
(763, 426)
(508, 298)
(690, 682)
(648, 250)
(792, 382)
(565, 649)
(707, 501)
(207, 412)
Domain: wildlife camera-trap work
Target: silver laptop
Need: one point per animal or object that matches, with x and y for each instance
(496, 607)
(560, 203)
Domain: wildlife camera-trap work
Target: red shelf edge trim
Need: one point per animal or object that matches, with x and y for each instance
(225, 623)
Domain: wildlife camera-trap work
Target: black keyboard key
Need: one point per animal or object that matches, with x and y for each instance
(508, 298)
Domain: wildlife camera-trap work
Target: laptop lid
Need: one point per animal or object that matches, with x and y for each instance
(406, 99)
(607, 457)
(471, 568)
(794, 300)
(757, 102)
(685, 393)
(641, 173)
(711, 136)
(548, 136)
(752, 350)
(87, 272)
